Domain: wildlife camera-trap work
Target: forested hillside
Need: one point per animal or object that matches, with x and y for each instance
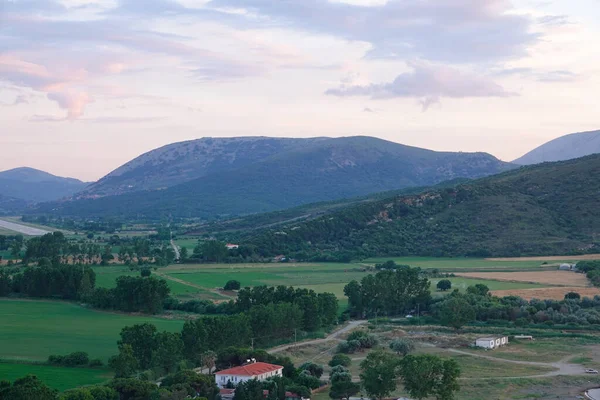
(544, 209)
(32, 185)
(314, 171)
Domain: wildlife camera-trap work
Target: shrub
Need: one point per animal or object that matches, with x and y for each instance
(340, 359)
(232, 285)
(96, 363)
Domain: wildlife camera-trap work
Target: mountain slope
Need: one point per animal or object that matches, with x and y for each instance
(565, 147)
(11, 206)
(320, 170)
(545, 209)
(33, 185)
(182, 162)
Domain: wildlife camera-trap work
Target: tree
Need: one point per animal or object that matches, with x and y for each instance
(479, 290)
(26, 388)
(315, 370)
(145, 272)
(343, 389)
(142, 339)
(77, 394)
(232, 285)
(124, 364)
(444, 285)
(169, 351)
(209, 359)
(340, 359)
(134, 389)
(103, 393)
(402, 346)
(428, 375)
(572, 296)
(456, 312)
(378, 374)
(183, 254)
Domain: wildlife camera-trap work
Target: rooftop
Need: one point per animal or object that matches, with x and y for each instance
(250, 369)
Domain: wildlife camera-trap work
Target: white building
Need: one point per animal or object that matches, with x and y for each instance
(255, 370)
(491, 342)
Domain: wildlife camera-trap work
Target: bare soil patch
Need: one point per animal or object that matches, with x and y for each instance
(548, 258)
(555, 293)
(555, 278)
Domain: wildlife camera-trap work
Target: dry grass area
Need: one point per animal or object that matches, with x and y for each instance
(557, 278)
(549, 258)
(555, 293)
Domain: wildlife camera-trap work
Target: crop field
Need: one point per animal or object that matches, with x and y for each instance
(59, 378)
(466, 264)
(49, 327)
(188, 242)
(557, 278)
(555, 293)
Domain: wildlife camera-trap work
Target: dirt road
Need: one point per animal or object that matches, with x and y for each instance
(176, 250)
(333, 336)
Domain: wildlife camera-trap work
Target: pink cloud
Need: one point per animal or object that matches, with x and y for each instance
(73, 102)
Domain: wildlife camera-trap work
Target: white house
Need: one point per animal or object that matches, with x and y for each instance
(231, 246)
(491, 342)
(255, 370)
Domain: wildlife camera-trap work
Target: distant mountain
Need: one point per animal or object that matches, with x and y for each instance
(250, 175)
(11, 206)
(544, 209)
(32, 185)
(182, 162)
(563, 148)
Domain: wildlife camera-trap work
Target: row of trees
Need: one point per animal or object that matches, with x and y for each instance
(11, 243)
(389, 292)
(317, 310)
(132, 294)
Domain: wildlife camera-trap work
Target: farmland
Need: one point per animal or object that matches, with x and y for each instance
(51, 327)
(59, 378)
(555, 293)
(558, 278)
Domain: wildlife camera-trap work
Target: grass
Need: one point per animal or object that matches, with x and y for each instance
(461, 263)
(581, 360)
(544, 349)
(33, 330)
(60, 378)
(189, 243)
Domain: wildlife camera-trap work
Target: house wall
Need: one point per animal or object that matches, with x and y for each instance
(222, 379)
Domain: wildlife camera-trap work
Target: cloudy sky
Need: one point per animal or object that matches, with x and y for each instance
(86, 85)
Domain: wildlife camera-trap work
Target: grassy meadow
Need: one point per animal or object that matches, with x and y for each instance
(44, 328)
(60, 378)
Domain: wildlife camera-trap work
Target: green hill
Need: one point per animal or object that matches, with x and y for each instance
(545, 209)
(289, 174)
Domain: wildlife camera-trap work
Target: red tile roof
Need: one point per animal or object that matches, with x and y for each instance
(254, 369)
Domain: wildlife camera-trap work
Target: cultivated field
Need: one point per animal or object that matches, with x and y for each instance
(555, 293)
(465, 264)
(59, 378)
(549, 258)
(49, 327)
(558, 278)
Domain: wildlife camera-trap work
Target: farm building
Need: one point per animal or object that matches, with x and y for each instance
(567, 267)
(231, 246)
(252, 370)
(491, 342)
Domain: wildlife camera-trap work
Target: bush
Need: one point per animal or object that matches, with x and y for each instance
(75, 359)
(444, 285)
(572, 296)
(232, 285)
(145, 272)
(96, 363)
(340, 359)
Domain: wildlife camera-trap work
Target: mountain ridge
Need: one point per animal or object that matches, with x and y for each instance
(573, 145)
(544, 209)
(290, 172)
(34, 185)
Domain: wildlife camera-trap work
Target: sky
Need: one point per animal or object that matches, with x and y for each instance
(87, 85)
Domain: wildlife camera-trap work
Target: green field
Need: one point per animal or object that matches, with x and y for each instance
(463, 263)
(60, 378)
(188, 243)
(48, 327)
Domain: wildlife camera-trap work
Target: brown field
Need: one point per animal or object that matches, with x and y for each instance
(555, 278)
(549, 258)
(555, 293)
